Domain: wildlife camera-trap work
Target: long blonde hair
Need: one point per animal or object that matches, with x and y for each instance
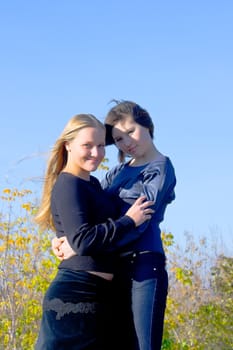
(56, 163)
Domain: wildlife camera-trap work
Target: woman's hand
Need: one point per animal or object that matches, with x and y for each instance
(140, 211)
(62, 249)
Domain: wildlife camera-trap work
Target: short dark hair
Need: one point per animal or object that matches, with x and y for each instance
(118, 112)
(122, 109)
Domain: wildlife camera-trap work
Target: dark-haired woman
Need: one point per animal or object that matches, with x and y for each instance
(141, 283)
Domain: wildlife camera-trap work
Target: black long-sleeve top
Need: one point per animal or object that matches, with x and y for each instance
(87, 215)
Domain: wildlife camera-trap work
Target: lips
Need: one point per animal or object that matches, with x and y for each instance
(131, 149)
(94, 162)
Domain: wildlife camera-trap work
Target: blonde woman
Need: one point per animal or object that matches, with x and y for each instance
(76, 302)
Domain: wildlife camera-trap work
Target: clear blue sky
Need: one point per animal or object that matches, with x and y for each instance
(175, 58)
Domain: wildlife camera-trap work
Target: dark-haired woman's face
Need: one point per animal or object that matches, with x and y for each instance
(131, 138)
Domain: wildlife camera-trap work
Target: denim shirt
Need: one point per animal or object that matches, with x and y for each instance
(156, 180)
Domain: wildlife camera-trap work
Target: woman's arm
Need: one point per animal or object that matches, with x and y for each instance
(71, 204)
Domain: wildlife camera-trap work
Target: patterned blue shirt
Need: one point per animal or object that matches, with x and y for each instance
(157, 181)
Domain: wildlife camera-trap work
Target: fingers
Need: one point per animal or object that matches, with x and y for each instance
(140, 200)
(148, 211)
(56, 245)
(147, 204)
(58, 254)
(60, 257)
(143, 201)
(56, 242)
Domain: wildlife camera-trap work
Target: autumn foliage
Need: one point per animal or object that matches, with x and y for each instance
(200, 300)
(26, 267)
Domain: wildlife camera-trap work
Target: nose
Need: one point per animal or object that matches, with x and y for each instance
(96, 152)
(127, 141)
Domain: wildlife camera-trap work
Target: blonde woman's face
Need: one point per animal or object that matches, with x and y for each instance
(86, 151)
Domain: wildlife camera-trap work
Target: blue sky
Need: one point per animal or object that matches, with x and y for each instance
(59, 58)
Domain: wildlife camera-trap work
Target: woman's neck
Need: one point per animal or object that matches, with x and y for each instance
(150, 156)
(76, 172)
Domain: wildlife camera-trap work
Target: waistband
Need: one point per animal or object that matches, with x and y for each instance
(133, 254)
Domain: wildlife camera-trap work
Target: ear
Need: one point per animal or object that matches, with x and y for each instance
(67, 146)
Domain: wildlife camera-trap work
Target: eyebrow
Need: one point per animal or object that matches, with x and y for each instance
(126, 130)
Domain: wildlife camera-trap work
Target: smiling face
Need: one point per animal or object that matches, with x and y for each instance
(85, 152)
(132, 138)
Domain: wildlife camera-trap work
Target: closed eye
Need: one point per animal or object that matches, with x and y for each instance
(130, 131)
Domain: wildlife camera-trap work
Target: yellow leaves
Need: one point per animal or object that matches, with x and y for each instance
(20, 241)
(16, 193)
(183, 275)
(10, 195)
(14, 241)
(198, 307)
(168, 239)
(27, 206)
(25, 271)
(12, 260)
(102, 165)
(6, 243)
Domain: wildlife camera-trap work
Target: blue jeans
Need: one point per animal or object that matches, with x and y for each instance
(140, 288)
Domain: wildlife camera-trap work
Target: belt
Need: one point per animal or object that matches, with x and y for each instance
(134, 254)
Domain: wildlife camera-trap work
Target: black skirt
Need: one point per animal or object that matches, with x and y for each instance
(75, 312)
